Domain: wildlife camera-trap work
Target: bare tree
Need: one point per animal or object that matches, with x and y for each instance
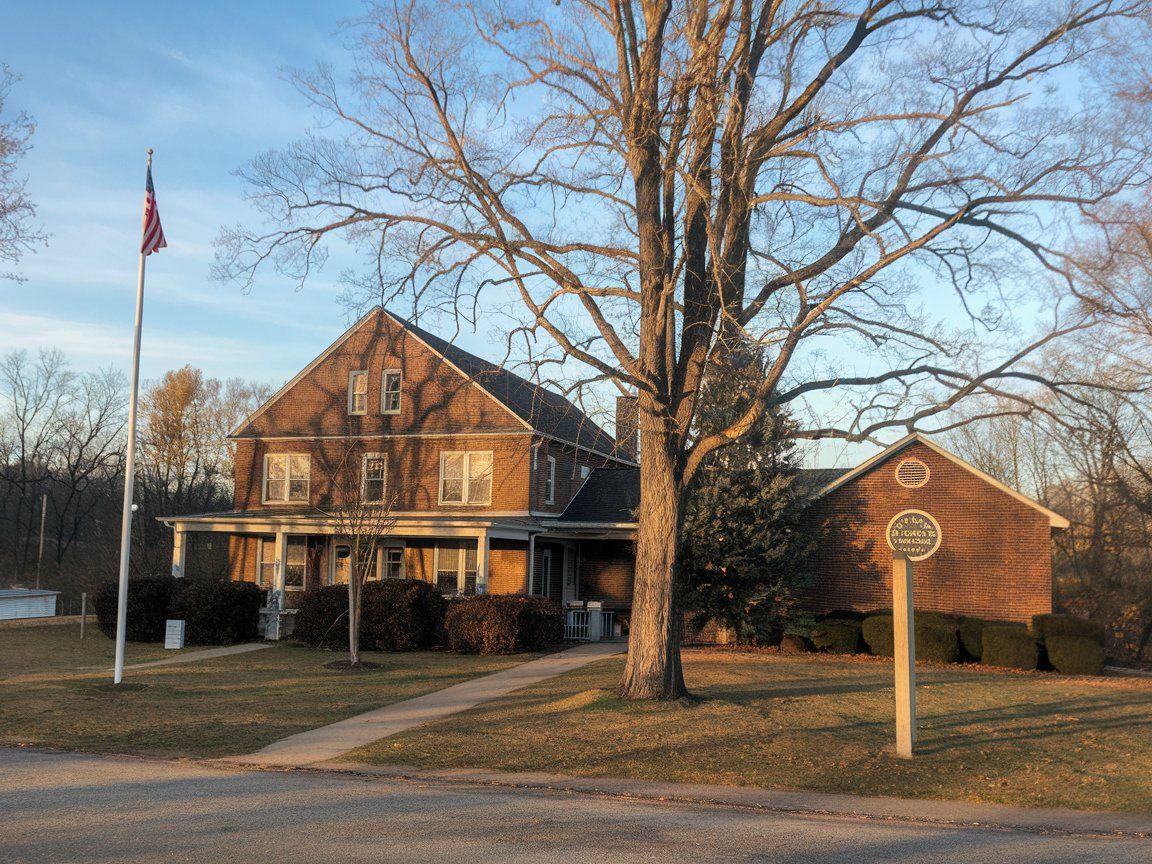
(18, 234)
(359, 503)
(863, 189)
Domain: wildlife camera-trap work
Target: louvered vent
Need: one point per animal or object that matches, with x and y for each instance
(911, 473)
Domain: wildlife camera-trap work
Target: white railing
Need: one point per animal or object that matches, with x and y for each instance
(607, 625)
(576, 627)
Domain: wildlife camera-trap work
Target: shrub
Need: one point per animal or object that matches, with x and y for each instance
(502, 624)
(936, 643)
(217, 611)
(972, 636)
(837, 636)
(946, 620)
(149, 598)
(841, 615)
(1013, 647)
(322, 617)
(1075, 655)
(399, 615)
(794, 643)
(1047, 626)
(877, 632)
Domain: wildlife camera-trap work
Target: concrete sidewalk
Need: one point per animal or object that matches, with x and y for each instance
(923, 811)
(206, 654)
(332, 741)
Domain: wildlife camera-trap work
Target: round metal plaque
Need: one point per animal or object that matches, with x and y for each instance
(914, 533)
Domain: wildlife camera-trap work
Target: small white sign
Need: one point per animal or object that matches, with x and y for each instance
(174, 633)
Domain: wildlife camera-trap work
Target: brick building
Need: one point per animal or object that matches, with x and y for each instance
(995, 556)
(480, 467)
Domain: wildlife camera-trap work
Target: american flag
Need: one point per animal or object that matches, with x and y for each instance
(153, 231)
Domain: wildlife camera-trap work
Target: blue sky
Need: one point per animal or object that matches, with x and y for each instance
(201, 83)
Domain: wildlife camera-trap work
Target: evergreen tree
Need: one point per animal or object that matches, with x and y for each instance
(745, 543)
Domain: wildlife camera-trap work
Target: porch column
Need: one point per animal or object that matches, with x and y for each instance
(281, 564)
(482, 549)
(531, 563)
(178, 552)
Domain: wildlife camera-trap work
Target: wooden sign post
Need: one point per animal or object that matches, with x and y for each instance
(913, 535)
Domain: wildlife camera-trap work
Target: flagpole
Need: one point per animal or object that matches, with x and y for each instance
(129, 474)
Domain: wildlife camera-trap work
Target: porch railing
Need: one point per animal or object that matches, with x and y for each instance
(576, 626)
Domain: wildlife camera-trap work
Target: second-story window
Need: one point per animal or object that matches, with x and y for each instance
(550, 482)
(286, 478)
(358, 392)
(375, 484)
(390, 392)
(466, 477)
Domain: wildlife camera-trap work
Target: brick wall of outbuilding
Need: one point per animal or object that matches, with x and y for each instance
(995, 558)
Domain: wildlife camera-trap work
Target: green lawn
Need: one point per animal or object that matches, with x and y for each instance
(819, 723)
(55, 692)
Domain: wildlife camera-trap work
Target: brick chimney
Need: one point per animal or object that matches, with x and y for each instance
(628, 428)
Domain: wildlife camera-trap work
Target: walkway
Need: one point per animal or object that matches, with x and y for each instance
(206, 654)
(329, 742)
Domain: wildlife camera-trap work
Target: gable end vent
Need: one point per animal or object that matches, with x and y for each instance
(911, 473)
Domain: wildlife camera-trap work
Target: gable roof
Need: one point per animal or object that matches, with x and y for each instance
(534, 406)
(542, 409)
(607, 495)
(1054, 518)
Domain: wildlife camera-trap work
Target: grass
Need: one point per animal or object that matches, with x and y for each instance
(59, 648)
(54, 692)
(821, 724)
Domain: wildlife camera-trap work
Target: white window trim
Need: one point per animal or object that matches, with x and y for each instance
(287, 500)
(467, 478)
(351, 377)
(461, 566)
(550, 482)
(266, 543)
(382, 551)
(399, 393)
(332, 560)
(364, 477)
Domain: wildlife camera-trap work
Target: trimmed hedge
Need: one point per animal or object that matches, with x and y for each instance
(937, 643)
(400, 615)
(877, 632)
(972, 636)
(1047, 626)
(149, 599)
(502, 624)
(837, 636)
(217, 611)
(1009, 646)
(395, 615)
(794, 643)
(937, 640)
(1075, 655)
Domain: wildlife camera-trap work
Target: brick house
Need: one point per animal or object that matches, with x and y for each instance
(492, 479)
(995, 558)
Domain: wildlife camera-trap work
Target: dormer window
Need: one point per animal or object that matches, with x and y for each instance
(390, 392)
(358, 392)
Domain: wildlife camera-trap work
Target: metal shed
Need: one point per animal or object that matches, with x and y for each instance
(27, 603)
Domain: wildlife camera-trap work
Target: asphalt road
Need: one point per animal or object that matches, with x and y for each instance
(72, 808)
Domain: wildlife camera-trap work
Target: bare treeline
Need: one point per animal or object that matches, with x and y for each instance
(62, 435)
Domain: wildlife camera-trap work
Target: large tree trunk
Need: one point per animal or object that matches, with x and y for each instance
(653, 669)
